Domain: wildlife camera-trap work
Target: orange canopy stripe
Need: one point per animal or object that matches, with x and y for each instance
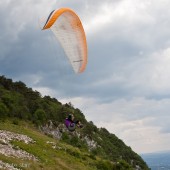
(77, 27)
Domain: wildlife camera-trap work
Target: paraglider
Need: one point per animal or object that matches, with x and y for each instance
(68, 29)
(71, 124)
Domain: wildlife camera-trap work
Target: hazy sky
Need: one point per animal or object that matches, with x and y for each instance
(126, 86)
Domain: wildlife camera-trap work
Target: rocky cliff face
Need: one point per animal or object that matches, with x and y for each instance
(57, 132)
(7, 149)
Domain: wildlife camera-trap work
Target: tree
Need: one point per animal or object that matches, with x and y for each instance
(39, 117)
(3, 110)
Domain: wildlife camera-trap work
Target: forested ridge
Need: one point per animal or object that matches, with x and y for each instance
(18, 102)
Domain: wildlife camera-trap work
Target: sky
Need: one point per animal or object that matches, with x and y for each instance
(126, 85)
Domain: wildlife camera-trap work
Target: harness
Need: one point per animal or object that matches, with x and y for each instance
(71, 126)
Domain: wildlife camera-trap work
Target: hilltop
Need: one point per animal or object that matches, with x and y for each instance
(45, 143)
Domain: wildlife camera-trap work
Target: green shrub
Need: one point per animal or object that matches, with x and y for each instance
(122, 165)
(3, 110)
(15, 122)
(104, 165)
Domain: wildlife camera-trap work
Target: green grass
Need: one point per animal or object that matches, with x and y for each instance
(63, 156)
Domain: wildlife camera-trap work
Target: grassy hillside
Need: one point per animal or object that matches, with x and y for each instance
(21, 104)
(50, 153)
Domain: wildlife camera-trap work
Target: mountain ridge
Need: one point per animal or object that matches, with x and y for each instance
(20, 103)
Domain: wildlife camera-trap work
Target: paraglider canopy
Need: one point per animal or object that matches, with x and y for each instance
(68, 29)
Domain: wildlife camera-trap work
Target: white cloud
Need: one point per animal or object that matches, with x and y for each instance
(151, 73)
(145, 75)
(45, 91)
(139, 22)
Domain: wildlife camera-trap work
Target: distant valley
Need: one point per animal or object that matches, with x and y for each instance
(158, 160)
